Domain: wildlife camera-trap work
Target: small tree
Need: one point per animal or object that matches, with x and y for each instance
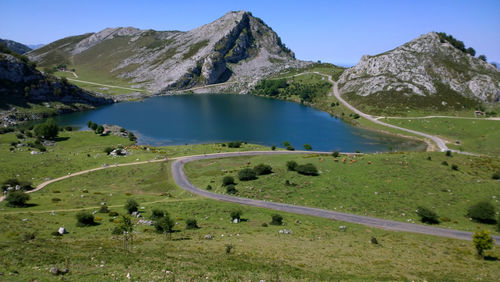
(482, 58)
(335, 154)
(307, 169)
(427, 215)
(236, 214)
(47, 130)
(191, 224)
(291, 165)
(263, 169)
(483, 211)
(227, 180)
(482, 241)
(85, 219)
(230, 189)
(496, 176)
(276, 219)
(131, 206)
(108, 150)
(157, 214)
(247, 174)
(448, 153)
(100, 129)
(165, 225)
(17, 198)
(307, 147)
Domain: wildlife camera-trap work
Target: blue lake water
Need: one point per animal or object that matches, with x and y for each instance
(196, 119)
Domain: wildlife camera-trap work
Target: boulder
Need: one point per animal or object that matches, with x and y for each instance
(62, 230)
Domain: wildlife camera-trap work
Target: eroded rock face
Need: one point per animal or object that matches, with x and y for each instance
(236, 47)
(423, 67)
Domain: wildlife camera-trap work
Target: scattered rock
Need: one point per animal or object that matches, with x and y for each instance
(62, 230)
(208, 237)
(285, 231)
(145, 222)
(54, 271)
(342, 228)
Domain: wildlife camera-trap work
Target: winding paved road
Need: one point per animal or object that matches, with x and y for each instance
(181, 180)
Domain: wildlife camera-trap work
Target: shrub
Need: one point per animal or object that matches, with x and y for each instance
(47, 130)
(307, 147)
(13, 182)
(263, 169)
(483, 212)
(230, 189)
(227, 180)
(131, 206)
(444, 163)
(236, 214)
(264, 224)
(307, 169)
(234, 144)
(191, 224)
(17, 198)
(482, 241)
(290, 148)
(427, 215)
(131, 136)
(291, 165)
(273, 147)
(103, 209)
(286, 144)
(55, 200)
(448, 153)
(335, 154)
(276, 219)
(454, 167)
(113, 213)
(108, 150)
(247, 174)
(85, 219)
(209, 187)
(100, 129)
(157, 214)
(164, 224)
(496, 175)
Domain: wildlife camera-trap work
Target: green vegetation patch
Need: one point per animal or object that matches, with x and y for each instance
(193, 49)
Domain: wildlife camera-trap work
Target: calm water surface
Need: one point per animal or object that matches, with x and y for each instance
(195, 119)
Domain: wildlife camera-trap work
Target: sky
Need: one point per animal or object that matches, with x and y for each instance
(338, 32)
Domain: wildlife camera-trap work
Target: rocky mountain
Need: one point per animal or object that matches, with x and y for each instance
(428, 72)
(237, 48)
(22, 87)
(35, 46)
(15, 46)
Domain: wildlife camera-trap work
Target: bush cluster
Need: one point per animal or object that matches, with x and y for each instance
(247, 174)
(427, 215)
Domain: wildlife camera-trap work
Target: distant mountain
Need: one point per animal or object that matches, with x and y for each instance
(35, 46)
(428, 72)
(15, 46)
(21, 83)
(237, 47)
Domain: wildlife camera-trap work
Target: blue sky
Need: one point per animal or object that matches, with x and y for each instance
(331, 31)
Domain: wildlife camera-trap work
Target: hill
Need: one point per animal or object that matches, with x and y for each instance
(237, 47)
(26, 93)
(15, 46)
(432, 72)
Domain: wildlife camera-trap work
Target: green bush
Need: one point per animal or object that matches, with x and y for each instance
(131, 206)
(247, 174)
(191, 224)
(335, 154)
(103, 209)
(108, 150)
(448, 153)
(427, 215)
(307, 147)
(227, 180)
(164, 224)
(483, 212)
(454, 167)
(100, 129)
(291, 165)
(13, 182)
(307, 169)
(47, 130)
(482, 241)
(290, 148)
(17, 198)
(113, 213)
(236, 214)
(230, 189)
(263, 169)
(85, 219)
(209, 187)
(496, 175)
(234, 144)
(273, 147)
(157, 214)
(276, 219)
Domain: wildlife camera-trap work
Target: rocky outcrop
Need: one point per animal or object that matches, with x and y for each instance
(237, 47)
(21, 83)
(15, 46)
(421, 72)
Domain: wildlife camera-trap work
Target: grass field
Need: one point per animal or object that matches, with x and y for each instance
(389, 186)
(478, 136)
(316, 249)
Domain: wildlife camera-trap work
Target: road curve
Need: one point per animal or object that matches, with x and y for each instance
(181, 180)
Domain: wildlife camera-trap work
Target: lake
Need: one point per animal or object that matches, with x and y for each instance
(209, 118)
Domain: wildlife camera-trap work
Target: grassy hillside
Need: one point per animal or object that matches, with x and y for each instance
(471, 135)
(389, 186)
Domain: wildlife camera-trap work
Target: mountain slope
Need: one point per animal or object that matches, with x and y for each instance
(237, 47)
(23, 88)
(15, 46)
(426, 73)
